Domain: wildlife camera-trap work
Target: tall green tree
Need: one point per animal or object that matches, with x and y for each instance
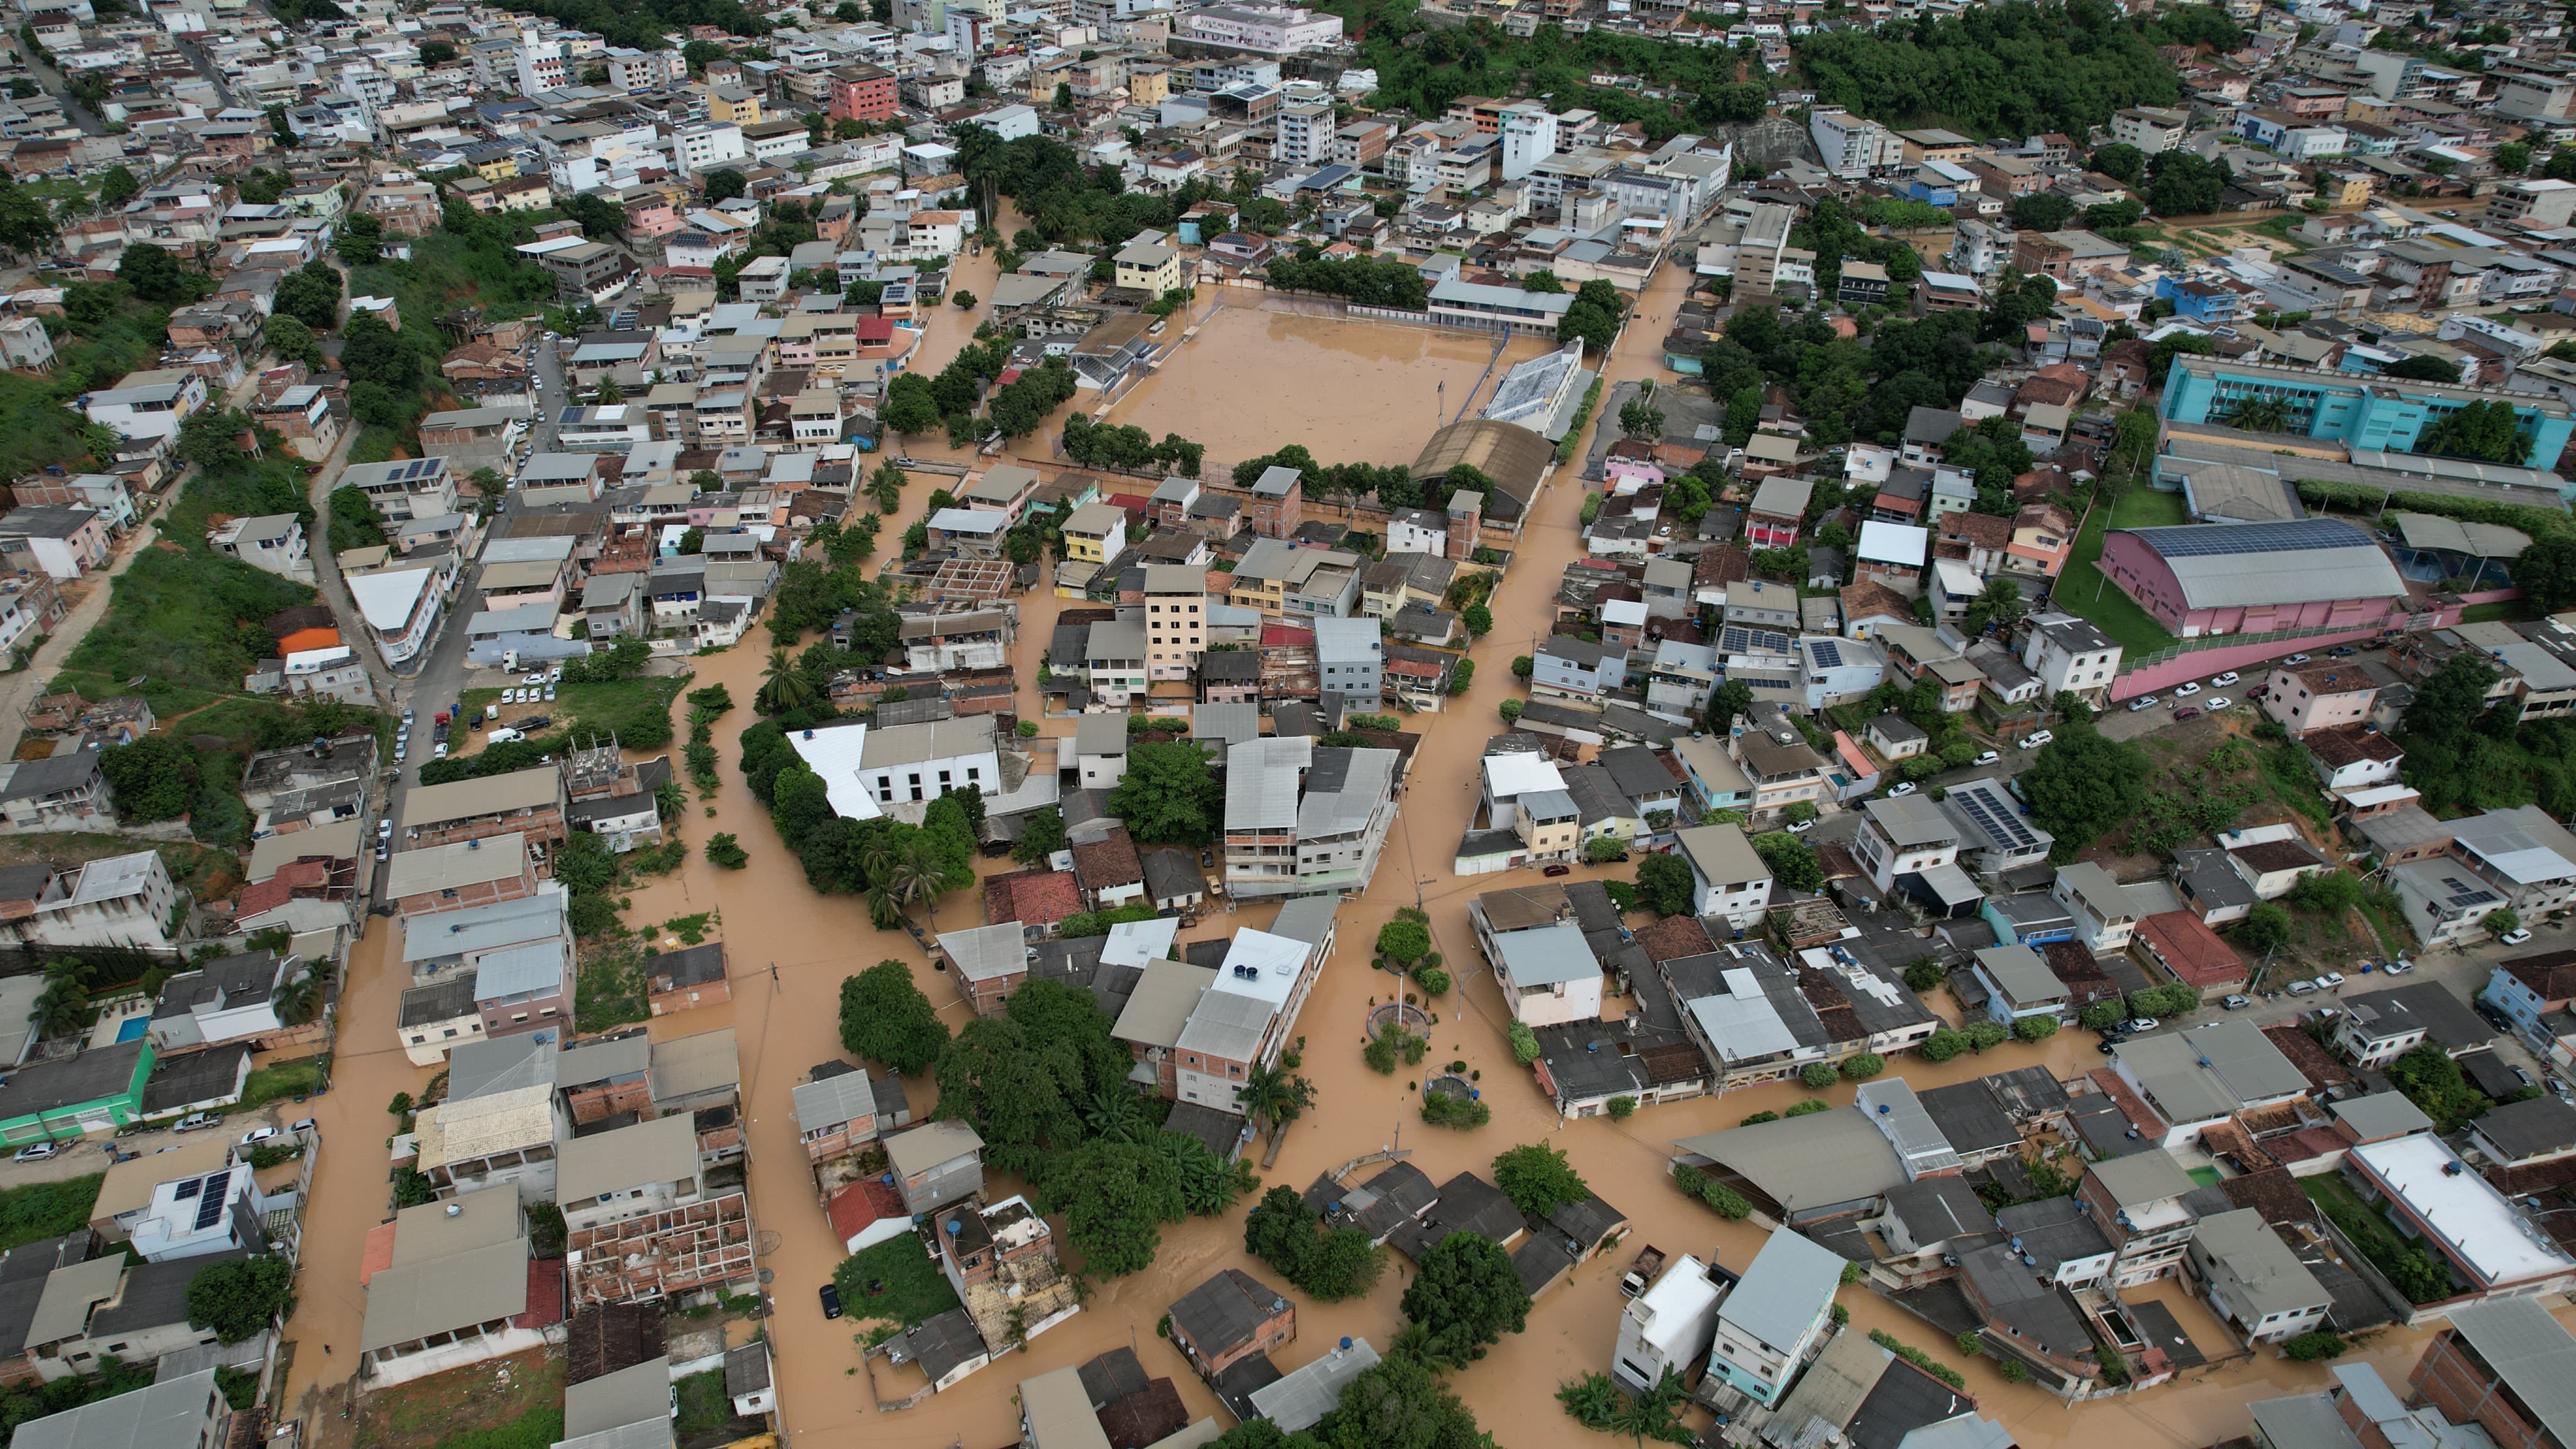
(1170, 794)
(2082, 786)
(886, 1018)
(1467, 1296)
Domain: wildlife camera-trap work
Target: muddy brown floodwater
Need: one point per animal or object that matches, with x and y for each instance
(789, 950)
(1253, 381)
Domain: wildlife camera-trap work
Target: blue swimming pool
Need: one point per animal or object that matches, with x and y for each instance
(133, 1028)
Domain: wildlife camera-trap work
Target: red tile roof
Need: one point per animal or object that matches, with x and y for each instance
(1031, 897)
(2191, 950)
(545, 1294)
(862, 1203)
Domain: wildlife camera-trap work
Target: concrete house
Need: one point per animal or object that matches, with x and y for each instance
(936, 1164)
(1775, 1317)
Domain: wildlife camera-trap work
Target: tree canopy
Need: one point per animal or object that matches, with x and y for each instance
(1466, 1296)
(2083, 786)
(1538, 1179)
(886, 1018)
(1170, 795)
(241, 1296)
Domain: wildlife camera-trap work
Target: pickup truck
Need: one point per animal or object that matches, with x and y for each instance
(1641, 1272)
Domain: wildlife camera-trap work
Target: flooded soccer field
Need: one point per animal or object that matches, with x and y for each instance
(1353, 391)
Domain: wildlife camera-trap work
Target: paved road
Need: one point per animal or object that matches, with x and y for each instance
(440, 678)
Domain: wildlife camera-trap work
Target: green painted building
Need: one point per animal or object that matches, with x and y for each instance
(96, 1091)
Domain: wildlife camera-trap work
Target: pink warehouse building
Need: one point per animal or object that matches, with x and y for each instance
(2249, 578)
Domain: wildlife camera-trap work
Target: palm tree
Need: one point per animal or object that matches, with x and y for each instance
(1116, 1115)
(883, 912)
(1654, 1413)
(2260, 415)
(1426, 1348)
(1271, 1096)
(912, 877)
(784, 687)
(60, 1009)
(297, 1000)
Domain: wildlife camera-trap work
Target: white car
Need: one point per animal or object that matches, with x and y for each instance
(2224, 680)
(439, 753)
(2330, 980)
(2297, 659)
(1799, 827)
(2515, 937)
(1989, 757)
(535, 677)
(2398, 967)
(2302, 988)
(2032, 742)
(2186, 689)
(2219, 701)
(384, 828)
(2144, 701)
(1903, 788)
(2144, 1023)
(257, 1135)
(550, 694)
(36, 1152)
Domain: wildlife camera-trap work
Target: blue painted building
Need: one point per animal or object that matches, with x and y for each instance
(2374, 414)
(2204, 302)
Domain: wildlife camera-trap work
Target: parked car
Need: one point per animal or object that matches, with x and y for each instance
(1800, 827)
(2330, 980)
(2302, 988)
(2144, 701)
(35, 1152)
(384, 828)
(1903, 787)
(2516, 937)
(2184, 714)
(1558, 869)
(2224, 680)
(2297, 659)
(2524, 1076)
(2237, 1002)
(302, 1126)
(831, 1297)
(2342, 651)
(1989, 757)
(2193, 687)
(2220, 702)
(256, 1136)
(550, 694)
(2035, 740)
(2398, 967)
(2144, 1023)
(195, 1120)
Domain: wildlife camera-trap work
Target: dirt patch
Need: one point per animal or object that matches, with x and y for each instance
(207, 872)
(432, 1410)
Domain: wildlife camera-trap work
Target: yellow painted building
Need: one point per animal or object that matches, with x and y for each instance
(728, 106)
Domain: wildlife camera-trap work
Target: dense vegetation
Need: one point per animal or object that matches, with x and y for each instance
(2003, 70)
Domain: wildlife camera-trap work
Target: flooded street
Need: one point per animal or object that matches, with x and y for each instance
(1348, 391)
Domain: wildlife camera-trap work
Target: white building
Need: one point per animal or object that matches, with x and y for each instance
(896, 770)
(1851, 146)
(1267, 29)
(699, 148)
(2070, 655)
(1529, 137)
(1669, 1326)
(1728, 877)
(401, 607)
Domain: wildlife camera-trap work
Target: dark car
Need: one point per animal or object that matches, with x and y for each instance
(1557, 870)
(2107, 1045)
(831, 1301)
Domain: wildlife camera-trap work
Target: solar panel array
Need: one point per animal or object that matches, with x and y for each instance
(415, 468)
(1999, 824)
(1735, 639)
(2294, 536)
(188, 1189)
(1828, 654)
(2464, 894)
(210, 1206)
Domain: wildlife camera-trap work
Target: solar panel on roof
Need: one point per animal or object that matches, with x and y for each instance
(2215, 539)
(209, 1208)
(188, 1189)
(1827, 653)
